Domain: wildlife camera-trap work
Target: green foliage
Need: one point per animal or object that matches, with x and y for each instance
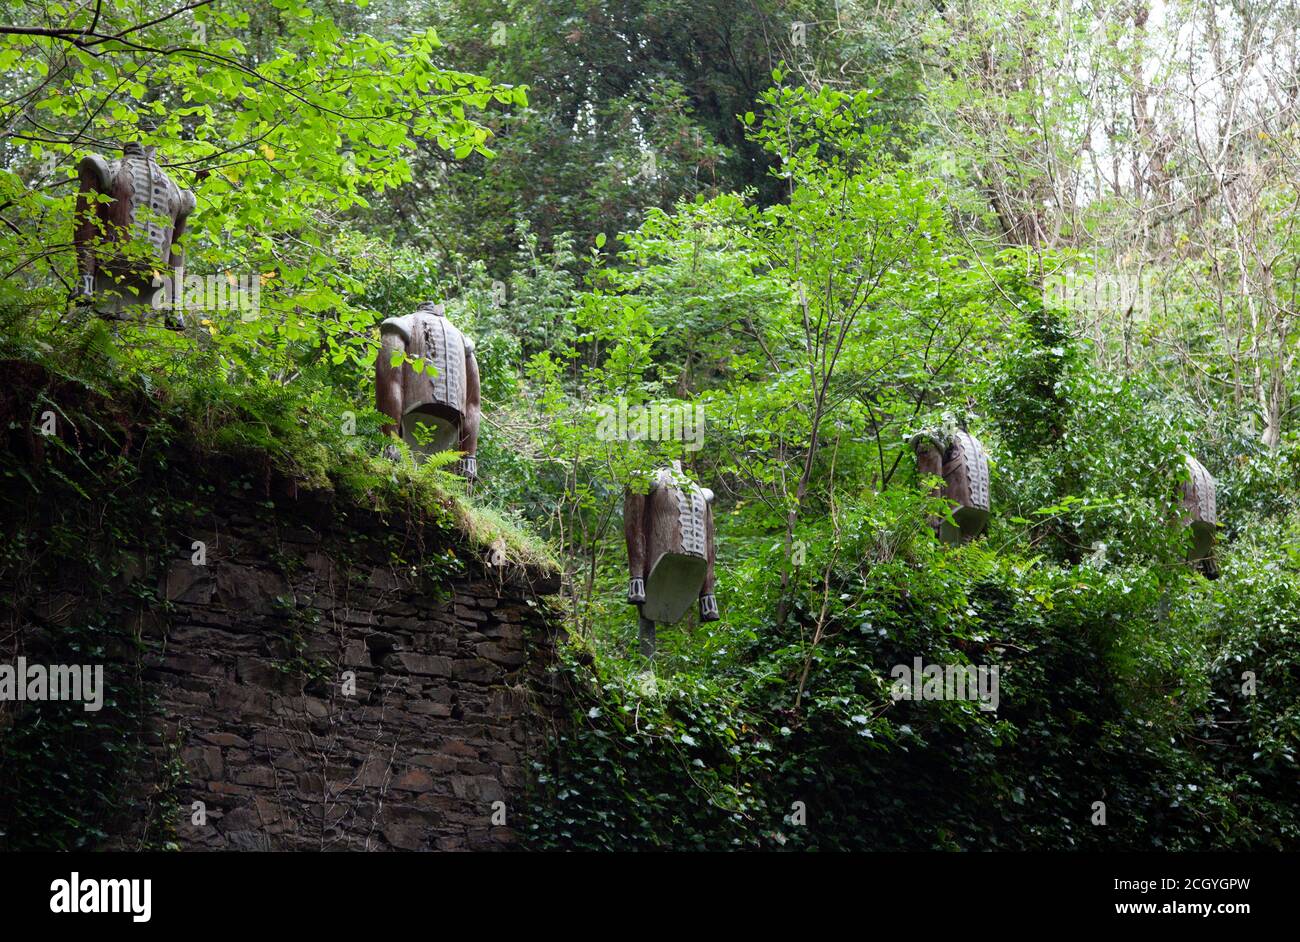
(1105, 695)
(821, 266)
(275, 143)
(1113, 654)
(633, 106)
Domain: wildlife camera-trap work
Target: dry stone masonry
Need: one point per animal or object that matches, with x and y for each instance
(283, 667)
(322, 695)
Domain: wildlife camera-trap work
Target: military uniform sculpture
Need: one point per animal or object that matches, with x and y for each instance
(1201, 516)
(437, 409)
(961, 461)
(669, 533)
(145, 205)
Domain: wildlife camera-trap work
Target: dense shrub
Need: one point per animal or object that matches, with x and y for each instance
(1117, 684)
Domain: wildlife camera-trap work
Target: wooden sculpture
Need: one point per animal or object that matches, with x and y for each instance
(670, 554)
(437, 409)
(1201, 517)
(127, 243)
(961, 461)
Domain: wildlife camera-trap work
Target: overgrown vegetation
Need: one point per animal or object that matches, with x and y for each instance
(1062, 238)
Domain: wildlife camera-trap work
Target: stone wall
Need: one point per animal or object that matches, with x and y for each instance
(284, 668)
(334, 682)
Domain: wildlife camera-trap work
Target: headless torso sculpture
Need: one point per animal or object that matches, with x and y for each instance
(1201, 516)
(960, 460)
(439, 408)
(146, 207)
(669, 533)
